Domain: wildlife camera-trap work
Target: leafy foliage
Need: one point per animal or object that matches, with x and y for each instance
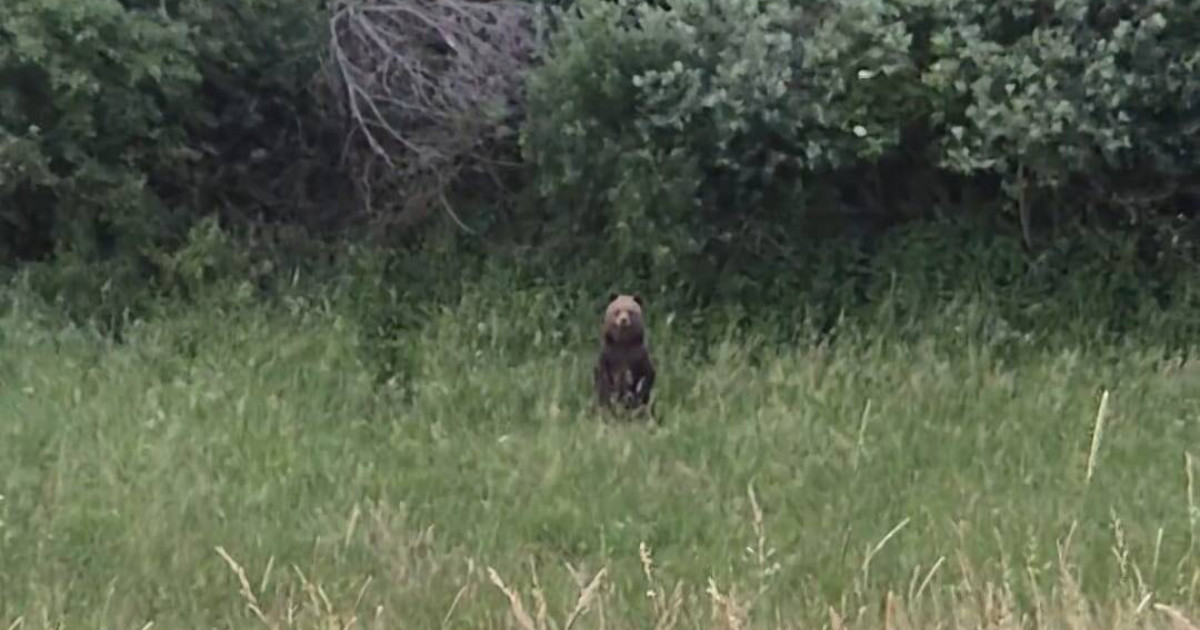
(706, 132)
(679, 131)
(260, 122)
(712, 145)
(124, 123)
(116, 117)
(1095, 98)
(88, 92)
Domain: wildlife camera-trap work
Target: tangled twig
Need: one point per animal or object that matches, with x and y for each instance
(431, 93)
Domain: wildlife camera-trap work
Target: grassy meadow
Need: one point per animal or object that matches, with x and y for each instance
(246, 467)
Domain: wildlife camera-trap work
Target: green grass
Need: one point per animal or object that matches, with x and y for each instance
(948, 469)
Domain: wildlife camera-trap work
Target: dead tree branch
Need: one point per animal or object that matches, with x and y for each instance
(431, 93)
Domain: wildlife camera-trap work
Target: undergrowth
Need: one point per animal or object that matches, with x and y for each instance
(244, 462)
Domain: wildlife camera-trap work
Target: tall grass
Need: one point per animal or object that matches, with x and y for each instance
(246, 467)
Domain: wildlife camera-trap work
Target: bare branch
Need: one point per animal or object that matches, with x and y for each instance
(429, 88)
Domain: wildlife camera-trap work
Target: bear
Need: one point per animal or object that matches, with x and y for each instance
(624, 372)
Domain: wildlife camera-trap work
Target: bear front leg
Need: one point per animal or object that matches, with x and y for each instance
(644, 383)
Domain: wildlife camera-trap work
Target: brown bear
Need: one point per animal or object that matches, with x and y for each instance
(624, 372)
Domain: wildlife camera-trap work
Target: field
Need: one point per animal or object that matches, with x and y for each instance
(245, 467)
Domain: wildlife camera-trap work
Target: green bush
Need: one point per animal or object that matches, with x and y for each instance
(89, 96)
(270, 149)
(1076, 102)
(113, 113)
(705, 137)
(125, 122)
(677, 131)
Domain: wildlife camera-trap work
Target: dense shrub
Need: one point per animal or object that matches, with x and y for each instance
(89, 98)
(125, 122)
(260, 119)
(700, 135)
(678, 131)
(1095, 98)
(121, 122)
(700, 143)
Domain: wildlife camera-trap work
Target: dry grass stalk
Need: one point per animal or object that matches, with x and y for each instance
(727, 610)
(928, 578)
(835, 620)
(1097, 432)
(454, 605)
(539, 599)
(1193, 514)
(666, 609)
(761, 553)
(871, 553)
(586, 597)
(990, 605)
(861, 446)
(516, 606)
(320, 605)
(266, 578)
(246, 591)
(967, 604)
(1178, 621)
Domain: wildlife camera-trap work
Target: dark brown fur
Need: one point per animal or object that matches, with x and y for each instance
(624, 372)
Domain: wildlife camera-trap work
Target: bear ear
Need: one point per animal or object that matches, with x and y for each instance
(613, 295)
(637, 297)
